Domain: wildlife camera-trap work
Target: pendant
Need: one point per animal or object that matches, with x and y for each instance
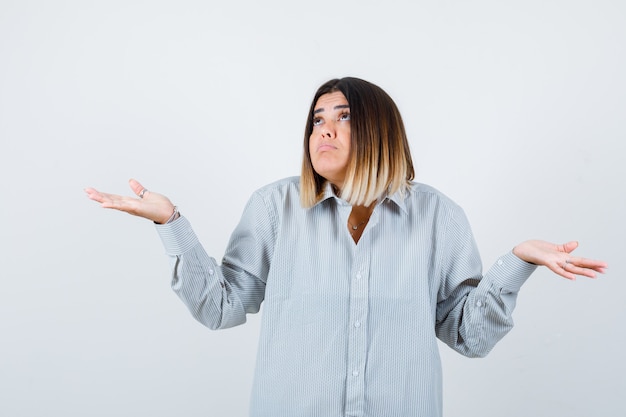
(355, 227)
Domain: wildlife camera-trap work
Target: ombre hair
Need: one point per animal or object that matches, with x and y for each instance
(380, 161)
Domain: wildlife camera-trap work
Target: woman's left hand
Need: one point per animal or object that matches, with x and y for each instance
(558, 258)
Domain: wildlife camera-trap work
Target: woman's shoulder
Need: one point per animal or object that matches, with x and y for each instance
(286, 188)
(418, 188)
(419, 193)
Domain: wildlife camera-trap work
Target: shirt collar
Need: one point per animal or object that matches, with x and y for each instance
(397, 198)
(329, 192)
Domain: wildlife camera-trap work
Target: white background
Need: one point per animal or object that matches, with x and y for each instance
(515, 109)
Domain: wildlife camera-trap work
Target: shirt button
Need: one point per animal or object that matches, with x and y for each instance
(357, 324)
(500, 262)
(479, 303)
(211, 271)
(355, 373)
(358, 276)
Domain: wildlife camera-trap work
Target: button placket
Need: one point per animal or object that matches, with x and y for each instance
(357, 334)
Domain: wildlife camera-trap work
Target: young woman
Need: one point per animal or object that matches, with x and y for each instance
(359, 268)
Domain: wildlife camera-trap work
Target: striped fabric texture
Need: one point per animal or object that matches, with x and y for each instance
(349, 329)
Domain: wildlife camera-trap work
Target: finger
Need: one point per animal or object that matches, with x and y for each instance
(577, 270)
(584, 267)
(107, 200)
(116, 201)
(95, 195)
(569, 246)
(136, 186)
(562, 271)
(594, 264)
(92, 193)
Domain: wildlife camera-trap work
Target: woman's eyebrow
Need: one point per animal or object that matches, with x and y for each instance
(341, 106)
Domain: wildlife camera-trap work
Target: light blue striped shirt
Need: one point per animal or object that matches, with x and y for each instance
(349, 329)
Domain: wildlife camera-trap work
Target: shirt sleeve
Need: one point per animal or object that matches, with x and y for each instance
(220, 296)
(474, 311)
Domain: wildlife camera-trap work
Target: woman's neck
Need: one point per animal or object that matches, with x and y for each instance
(359, 217)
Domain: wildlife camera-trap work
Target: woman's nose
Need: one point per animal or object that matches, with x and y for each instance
(328, 131)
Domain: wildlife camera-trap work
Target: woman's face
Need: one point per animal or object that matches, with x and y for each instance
(329, 143)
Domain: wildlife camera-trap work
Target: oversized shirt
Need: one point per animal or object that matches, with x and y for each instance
(349, 329)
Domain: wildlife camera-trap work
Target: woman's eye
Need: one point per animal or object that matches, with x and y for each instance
(317, 121)
(344, 116)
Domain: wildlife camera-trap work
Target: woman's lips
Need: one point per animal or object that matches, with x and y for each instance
(326, 147)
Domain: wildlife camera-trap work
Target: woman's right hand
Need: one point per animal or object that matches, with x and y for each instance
(150, 205)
